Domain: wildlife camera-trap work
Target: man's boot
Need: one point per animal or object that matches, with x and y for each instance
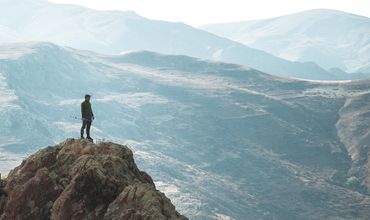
(90, 139)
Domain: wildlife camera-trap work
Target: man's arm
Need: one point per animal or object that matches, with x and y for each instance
(92, 113)
(83, 110)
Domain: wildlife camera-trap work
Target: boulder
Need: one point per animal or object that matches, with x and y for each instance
(81, 180)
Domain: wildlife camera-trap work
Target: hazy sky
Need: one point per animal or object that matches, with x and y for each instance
(197, 12)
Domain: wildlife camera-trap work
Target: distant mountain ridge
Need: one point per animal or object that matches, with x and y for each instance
(117, 31)
(330, 38)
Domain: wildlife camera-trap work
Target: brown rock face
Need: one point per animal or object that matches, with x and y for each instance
(80, 180)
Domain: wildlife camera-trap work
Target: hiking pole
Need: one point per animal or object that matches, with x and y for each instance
(77, 118)
(74, 117)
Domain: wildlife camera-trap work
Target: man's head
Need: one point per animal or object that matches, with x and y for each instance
(87, 97)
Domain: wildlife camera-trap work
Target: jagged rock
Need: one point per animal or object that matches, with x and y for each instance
(3, 195)
(141, 201)
(80, 180)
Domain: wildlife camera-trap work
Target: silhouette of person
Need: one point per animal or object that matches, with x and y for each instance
(87, 117)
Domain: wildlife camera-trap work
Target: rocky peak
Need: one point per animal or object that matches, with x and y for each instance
(81, 180)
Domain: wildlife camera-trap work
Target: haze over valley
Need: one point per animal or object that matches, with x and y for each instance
(241, 123)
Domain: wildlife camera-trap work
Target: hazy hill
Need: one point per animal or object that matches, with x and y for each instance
(332, 39)
(219, 139)
(118, 31)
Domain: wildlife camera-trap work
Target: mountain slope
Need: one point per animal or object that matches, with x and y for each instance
(353, 131)
(219, 139)
(116, 31)
(330, 38)
(80, 180)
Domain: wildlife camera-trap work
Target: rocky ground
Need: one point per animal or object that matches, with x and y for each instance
(80, 180)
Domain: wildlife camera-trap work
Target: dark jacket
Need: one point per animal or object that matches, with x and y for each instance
(86, 110)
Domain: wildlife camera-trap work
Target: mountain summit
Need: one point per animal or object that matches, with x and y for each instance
(80, 180)
(330, 38)
(113, 32)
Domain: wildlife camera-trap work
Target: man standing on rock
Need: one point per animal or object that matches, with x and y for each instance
(87, 117)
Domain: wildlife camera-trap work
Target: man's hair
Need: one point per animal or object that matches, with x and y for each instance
(87, 95)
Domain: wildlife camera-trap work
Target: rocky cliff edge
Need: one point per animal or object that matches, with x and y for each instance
(81, 180)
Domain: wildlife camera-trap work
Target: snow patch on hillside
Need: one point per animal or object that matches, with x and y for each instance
(134, 100)
(16, 51)
(7, 96)
(70, 102)
(220, 216)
